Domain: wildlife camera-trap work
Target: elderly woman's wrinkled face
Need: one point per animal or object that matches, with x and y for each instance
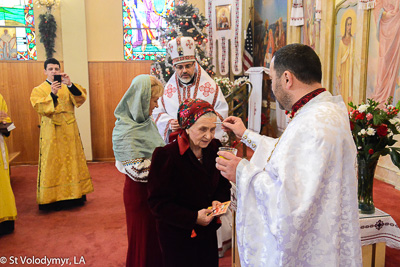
(202, 131)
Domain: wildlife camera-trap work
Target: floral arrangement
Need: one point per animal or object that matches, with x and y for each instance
(240, 81)
(373, 130)
(224, 84)
(227, 86)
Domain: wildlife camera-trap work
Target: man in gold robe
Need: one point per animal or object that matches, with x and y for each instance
(63, 175)
(8, 210)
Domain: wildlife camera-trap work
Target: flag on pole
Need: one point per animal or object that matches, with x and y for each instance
(248, 49)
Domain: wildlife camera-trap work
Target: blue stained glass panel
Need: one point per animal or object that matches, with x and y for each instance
(137, 49)
(13, 16)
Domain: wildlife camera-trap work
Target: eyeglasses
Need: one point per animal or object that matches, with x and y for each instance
(181, 67)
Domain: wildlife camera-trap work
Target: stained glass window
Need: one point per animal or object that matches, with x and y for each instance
(17, 30)
(141, 19)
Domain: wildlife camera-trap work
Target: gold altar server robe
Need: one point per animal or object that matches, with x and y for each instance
(8, 210)
(63, 173)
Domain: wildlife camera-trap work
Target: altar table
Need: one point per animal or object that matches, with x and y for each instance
(378, 230)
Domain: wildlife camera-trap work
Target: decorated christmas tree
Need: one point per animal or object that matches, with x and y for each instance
(183, 20)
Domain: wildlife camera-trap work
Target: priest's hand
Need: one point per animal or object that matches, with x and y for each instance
(174, 126)
(66, 79)
(227, 164)
(235, 125)
(202, 217)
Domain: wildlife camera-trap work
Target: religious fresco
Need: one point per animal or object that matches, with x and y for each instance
(383, 73)
(270, 20)
(141, 19)
(17, 30)
(344, 43)
(310, 32)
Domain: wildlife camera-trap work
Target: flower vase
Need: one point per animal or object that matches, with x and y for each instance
(366, 172)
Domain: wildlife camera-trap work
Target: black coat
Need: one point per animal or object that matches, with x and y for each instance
(179, 186)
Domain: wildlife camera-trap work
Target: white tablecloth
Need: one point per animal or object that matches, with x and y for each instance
(379, 227)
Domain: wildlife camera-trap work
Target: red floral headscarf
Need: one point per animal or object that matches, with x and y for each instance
(189, 112)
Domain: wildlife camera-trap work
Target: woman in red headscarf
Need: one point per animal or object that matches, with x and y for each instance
(183, 181)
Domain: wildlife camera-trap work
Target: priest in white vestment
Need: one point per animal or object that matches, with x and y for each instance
(297, 196)
(190, 80)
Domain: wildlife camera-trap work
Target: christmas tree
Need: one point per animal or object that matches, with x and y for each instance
(183, 20)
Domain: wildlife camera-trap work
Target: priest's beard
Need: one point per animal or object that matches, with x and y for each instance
(186, 80)
(283, 98)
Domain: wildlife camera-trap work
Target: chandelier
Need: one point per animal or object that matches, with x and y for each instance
(47, 3)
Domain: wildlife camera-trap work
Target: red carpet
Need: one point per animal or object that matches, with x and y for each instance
(387, 199)
(97, 231)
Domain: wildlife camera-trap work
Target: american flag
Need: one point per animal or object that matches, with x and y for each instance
(248, 49)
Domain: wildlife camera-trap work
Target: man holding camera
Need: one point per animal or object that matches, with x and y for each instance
(63, 175)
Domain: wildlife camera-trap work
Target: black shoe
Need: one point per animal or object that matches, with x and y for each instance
(54, 206)
(63, 204)
(6, 227)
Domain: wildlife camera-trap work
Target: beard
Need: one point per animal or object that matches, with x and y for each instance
(282, 97)
(187, 79)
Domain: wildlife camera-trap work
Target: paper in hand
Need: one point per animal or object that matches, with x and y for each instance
(220, 209)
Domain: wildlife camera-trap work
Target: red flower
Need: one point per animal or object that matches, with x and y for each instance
(351, 125)
(371, 151)
(360, 116)
(382, 130)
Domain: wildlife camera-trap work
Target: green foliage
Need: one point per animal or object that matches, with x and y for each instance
(47, 29)
(184, 20)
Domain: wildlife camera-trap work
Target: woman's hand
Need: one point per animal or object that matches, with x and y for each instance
(215, 203)
(202, 217)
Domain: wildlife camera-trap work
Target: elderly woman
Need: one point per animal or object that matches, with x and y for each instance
(8, 210)
(183, 183)
(135, 137)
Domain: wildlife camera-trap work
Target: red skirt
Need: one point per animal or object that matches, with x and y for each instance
(143, 244)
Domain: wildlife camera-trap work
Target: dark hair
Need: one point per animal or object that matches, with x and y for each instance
(51, 61)
(301, 60)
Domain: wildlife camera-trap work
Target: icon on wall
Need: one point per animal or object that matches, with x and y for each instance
(223, 17)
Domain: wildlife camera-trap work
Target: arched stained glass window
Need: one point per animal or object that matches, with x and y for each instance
(17, 30)
(141, 19)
